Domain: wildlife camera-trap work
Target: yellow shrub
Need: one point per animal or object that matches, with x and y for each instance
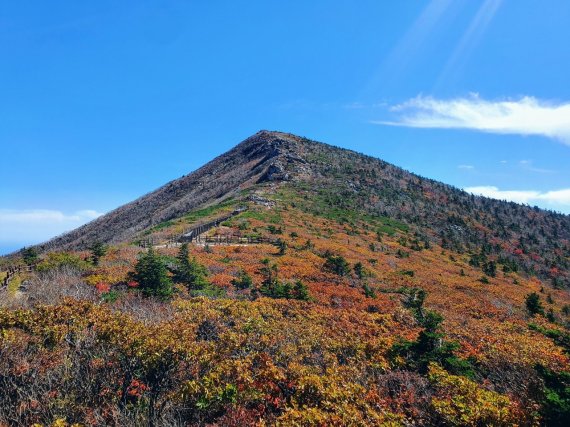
(462, 402)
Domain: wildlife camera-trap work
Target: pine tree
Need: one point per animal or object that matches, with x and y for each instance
(337, 264)
(533, 304)
(152, 275)
(301, 291)
(490, 269)
(243, 281)
(188, 271)
(30, 255)
(270, 284)
(359, 270)
(282, 246)
(98, 250)
(368, 291)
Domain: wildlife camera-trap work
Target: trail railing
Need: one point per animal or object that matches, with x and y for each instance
(12, 270)
(195, 234)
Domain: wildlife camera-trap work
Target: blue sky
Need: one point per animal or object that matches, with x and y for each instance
(103, 101)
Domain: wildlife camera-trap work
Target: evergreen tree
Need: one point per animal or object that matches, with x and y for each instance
(282, 290)
(337, 264)
(281, 245)
(98, 250)
(555, 407)
(359, 270)
(30, 255)
(270, 284)
(431, 346)
(152, 275)
(415, 298)
(533, 304)
(188, 271)
(272, 287)
(490, 269)
(368, 291)
(301, 291)
(308, 244)
(243, 281)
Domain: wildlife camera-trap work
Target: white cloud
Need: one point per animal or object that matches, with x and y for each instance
(557, 196)
(495, 193)
(525, 116)
(466, 167)
(556, 199)
(37, 225)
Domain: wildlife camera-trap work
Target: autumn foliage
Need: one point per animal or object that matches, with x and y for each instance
(351, 320)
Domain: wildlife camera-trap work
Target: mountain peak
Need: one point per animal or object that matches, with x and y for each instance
(272, 143)
(281, 154)
(267, 156)
(333, 180)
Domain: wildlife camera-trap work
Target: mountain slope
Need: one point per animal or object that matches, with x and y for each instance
(332, 289)
(256, 159)
(335, 180)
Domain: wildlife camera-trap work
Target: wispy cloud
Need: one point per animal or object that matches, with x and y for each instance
(528, 166)
(36, 225)
(556, 199)
(525, 116)
(466, 167)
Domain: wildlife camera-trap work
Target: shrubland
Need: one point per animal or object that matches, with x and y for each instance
(376, 298)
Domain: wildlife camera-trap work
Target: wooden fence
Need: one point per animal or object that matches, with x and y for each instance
(195, 233)
(12, 270)
(234, 240)
(146, 243)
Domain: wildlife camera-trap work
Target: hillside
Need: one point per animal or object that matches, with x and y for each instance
(323, 287)
(336, 180)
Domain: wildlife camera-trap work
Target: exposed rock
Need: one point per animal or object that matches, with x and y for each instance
(258, 200)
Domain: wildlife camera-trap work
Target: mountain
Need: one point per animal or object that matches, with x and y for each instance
(320, 287)
(257, 159)
(338, 180)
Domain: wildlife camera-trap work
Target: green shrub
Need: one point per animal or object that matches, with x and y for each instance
(533, 304)
(152, 275)
(98, 250)
(188, 271)
(337, 264)
(60, 260)
(555, 402)
(30, 255)
(368, 291)
(243, 281)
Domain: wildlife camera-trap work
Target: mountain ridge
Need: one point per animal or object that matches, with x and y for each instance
(317, 286)
(266, 152)
(178, 192)
(344, 179)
